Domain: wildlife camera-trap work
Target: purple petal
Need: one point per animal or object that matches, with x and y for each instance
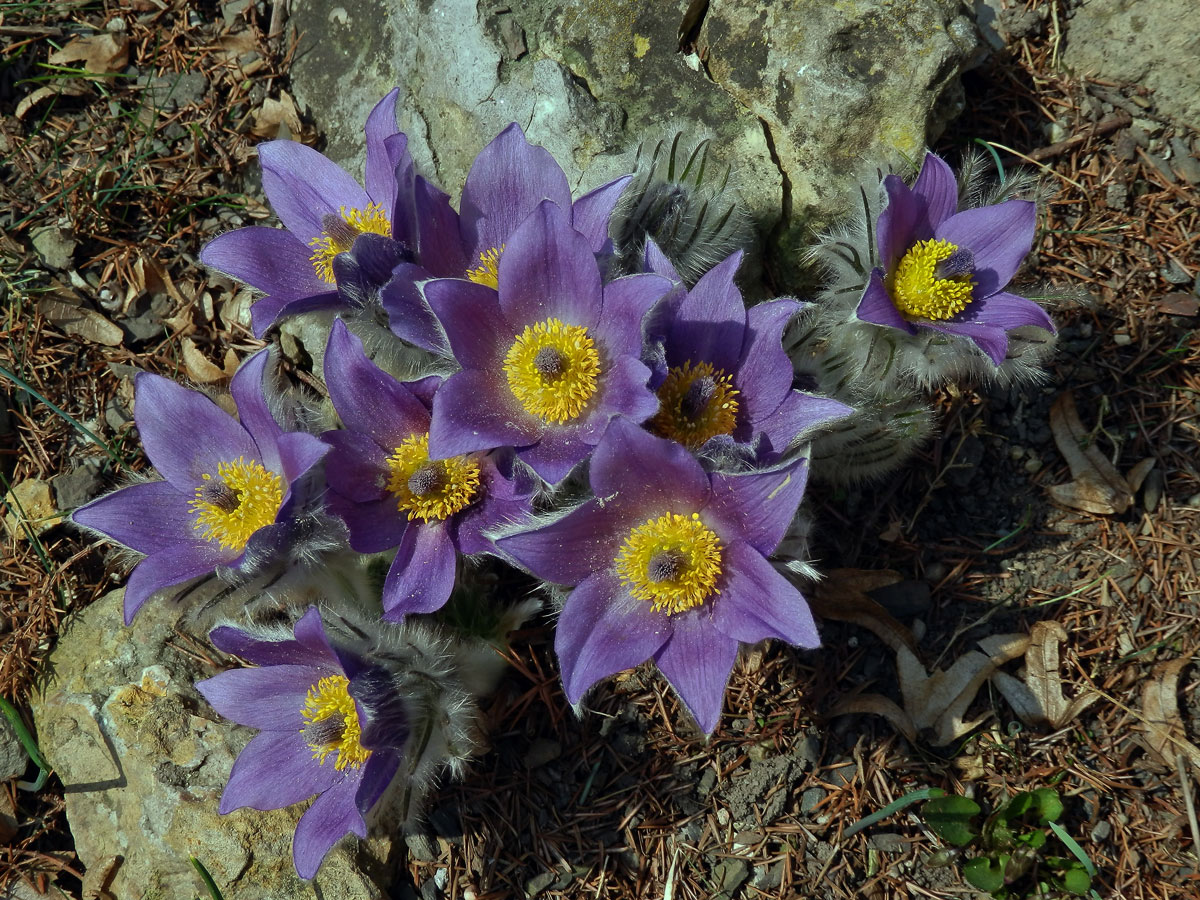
(877, 307)
(897, 229)
(310, 632)
(144, 517)
(184, 433)
(270, 259)
(559, 450)
(248, 394)
(275, 770)
(757, 603)
(266, 311)
(548, 270)
(475, 326)
(991, 339)
(440, 248)
(422, 574)
(167, 568)
(375, 525)
(332, 816)
(1009, 311)
(624, 390)
(382, 156)
(507, 493)
(765, 374)
(474, 411)
(626, 302)
(697, 661)
(269, 698)
(647, 473)
(261, 652)
(508, 179)
(591, 213)
(1000, 236)
(937, 186)
(357, 467)
(656, 261)
(304, 187)
(797, 415)
(603, 630)
(576, 546)
(711, 321)
(409, 316)
(299, 452)
(378, 772)
(757, 507)
(368, 400)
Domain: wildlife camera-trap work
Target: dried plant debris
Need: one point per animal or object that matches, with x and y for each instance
(1096, 485)
(1037, 698)
(1165, 736)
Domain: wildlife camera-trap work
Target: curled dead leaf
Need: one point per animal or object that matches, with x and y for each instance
(102, 53)
(198, 367)
(71, 87)
(842, 596)
(1096, 485)
(82, 322)
(1165, 736)
(1038, 701)
(274, 116)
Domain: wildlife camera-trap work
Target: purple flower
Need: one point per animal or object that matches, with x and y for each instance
(228, 487)
(329, 724)
(388, 491)
(671, 565)
(325, 213)
(724, 374)
(549, 357)
(947, 270)
(507, 181)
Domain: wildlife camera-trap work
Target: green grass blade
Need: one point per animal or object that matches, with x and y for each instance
(213, 891)
(30, 745)
(75, 423)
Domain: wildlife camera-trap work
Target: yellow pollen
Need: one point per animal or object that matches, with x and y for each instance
(673, 562)
(328, 702)
(919, 293)
(242, 498)
(489, 273)
(430, 490)
(553, 369)
(340, 237)
(695, 404)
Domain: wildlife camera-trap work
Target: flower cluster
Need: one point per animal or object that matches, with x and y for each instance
(637, 439)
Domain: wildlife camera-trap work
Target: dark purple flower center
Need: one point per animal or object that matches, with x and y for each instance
(324, 731)
(664, 566)
(697, 397)
(960, 262)
(220, 495)
(427, 479)
(550, 363)
(339, 231)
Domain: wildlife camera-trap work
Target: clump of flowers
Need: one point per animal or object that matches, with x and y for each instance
(572, 386)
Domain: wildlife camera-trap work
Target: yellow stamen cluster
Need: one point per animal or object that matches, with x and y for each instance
(340, 238)
(553, 370)
(427, 489)
(329, 699)
(919, 293)
(489, 273)
(673, 562)
(242, 498)
(695, 404)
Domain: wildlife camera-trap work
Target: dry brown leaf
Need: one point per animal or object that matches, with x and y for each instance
(198, 366)
(273, 113)
(100, 53)
(68, 88)
(842, 596)
(1038, 701)
(1177, 303)
(1165, 737)
(81, 322)
(1096, 486)
(878, 705)
(230, 363)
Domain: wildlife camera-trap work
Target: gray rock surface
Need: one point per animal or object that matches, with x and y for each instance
(143, 761)
(800, 95)
(1144, 42)
(13, 758)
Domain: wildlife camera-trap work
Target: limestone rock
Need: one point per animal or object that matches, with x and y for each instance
(13, 758)
(800, 95)
(143, 761)
(1142, 42)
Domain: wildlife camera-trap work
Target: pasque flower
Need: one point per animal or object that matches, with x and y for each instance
(723, 373)
(670, 565)
(325, 212)
(391, 494)
(227, 487)
(330, 722)
(548, 357)
(946, 270)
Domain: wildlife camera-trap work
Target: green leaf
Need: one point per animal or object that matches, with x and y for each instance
(1049, 807)
(985, 874)
(1017, 806)
(950, 819)
(1076, 880)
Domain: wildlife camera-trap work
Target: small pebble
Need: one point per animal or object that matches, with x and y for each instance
(1032, 465)
(1101, 832)
(1121, 339)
